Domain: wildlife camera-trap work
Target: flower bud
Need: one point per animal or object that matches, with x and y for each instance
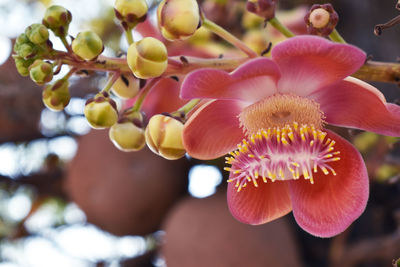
(130, 12)
(101, 111)
(22, 65)
(57, 19)
(251, 21)
(41, 72)
(262, 8)
(164, 137)
(56, 96)
(321, 20)
(256, 40)
(37, 33)
(128, 133)
(24, 47)
(147, 58)
(87, 45)
(178, 19)
(126, 87)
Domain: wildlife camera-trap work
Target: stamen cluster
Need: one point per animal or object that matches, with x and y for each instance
(282, 154)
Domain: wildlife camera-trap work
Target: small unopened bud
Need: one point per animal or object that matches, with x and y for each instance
(22, 65)
(126, 87)
(56, 96)
(256, 40)
(262, 8)
(178, 19)
(164, 137)
(41, 72)
(37, 33)
(88, 45)
(57, 19)
(130, 12)
(24, 47)
(321, 20)
(128, 133)
(147, 58)
(101, 111)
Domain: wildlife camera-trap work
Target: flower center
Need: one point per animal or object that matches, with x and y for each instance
(281, 153)
(278, 111)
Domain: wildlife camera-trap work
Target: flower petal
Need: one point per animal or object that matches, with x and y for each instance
(327, 207)
(252, 81)
(356, 104)
(308, 63)
(258, 205)
(213, 129)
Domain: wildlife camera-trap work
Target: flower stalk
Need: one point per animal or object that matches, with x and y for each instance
(208, 24)
(281, 28)
(336, 37)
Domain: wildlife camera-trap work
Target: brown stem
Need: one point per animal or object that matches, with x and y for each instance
(380, 27)
(379, 72)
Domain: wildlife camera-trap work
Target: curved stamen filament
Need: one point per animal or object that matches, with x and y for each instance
(282, 154)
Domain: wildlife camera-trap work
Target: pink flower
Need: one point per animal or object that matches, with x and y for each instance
(287, 160)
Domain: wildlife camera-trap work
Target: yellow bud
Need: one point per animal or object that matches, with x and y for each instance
(201, 36)
(127, 136)
(164, 137)
(251, 20)
(56, 96)
(256, 40)
(178, 19)
(147, 58)
(130, 12)
(101, 111)
(87, 45)
(126, 87)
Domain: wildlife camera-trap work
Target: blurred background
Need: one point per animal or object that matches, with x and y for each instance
(68, 197)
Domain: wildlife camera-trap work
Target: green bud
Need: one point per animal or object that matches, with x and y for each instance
(130, 12)
(57, 19)
(37, 33)
(126, 87)
(128, 134)
(22, 65)
(56, 96)
(164, 137)
(24, 47)
(101, 111)
(41, 72)
(147, 58)
(87, 45)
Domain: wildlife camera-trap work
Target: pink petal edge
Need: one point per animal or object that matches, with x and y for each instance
(213, 129)
(252, 81)
(258, 205)
(308, 63)
(356, 104)
(327, 207)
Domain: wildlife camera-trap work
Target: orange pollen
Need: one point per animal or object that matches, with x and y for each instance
(279, 110)
(282, 154)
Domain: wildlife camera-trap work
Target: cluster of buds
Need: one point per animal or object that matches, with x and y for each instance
(321, 20)
(178, 19)
(56, 96)
(101, 111)
(130, 12)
